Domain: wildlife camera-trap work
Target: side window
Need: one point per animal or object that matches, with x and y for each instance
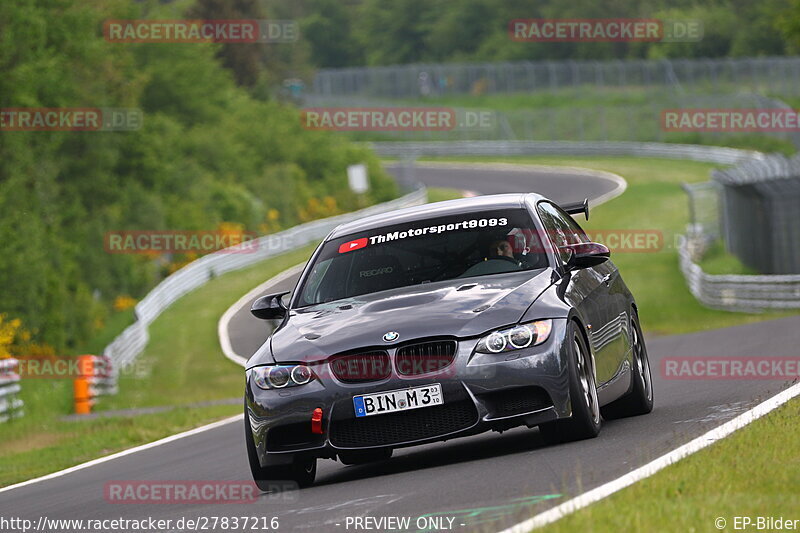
(560, 227)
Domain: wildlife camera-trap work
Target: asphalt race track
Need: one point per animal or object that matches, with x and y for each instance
(483, 483)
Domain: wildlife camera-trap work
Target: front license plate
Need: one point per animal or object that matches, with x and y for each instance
(398, 400)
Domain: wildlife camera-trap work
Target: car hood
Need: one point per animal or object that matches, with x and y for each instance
(465, 307)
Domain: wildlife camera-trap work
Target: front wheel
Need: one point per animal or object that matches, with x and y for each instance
(301, 471)
(639, 401)
(585, 420)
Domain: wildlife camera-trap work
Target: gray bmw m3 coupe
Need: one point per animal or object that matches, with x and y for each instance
(442, 321)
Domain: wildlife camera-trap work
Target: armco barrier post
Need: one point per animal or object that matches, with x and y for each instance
(10, 404)
(83, 404)
(95, 379)
(81, 389)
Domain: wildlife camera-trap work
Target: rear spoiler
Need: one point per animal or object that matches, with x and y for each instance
(578, 208)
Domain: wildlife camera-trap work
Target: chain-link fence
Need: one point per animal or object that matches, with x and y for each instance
(704, 227)
(612, 122)
(776, 75)
(760, 210)
(754, 207)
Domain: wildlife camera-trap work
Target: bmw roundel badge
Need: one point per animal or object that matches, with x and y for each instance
(391, 336)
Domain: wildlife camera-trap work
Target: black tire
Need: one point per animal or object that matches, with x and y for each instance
(639, 401)
(585, 420)
(301, 471)
(360, 457)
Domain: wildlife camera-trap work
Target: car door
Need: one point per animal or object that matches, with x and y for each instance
(592, 295)
(614, 335)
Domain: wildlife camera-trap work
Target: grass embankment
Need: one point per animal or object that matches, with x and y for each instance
(717, 260)
(630, 113)
(653, 200)
(182, 364)
(752, 473)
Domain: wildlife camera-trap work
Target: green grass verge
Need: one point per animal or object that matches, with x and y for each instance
(653, 200)
(751, 473)
(438, 194)
(115, 325)
(717, 260)
(594, 113)
(180, 366)
(563, 98)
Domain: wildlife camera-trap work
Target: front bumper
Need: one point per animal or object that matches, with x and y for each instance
(481, 392)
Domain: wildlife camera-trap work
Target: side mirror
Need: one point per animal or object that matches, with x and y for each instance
(585, 255)
(269, 306)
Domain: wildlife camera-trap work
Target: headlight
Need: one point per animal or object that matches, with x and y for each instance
(281, 376)
(515, 338)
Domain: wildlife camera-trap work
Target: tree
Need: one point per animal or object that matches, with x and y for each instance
(329, 31)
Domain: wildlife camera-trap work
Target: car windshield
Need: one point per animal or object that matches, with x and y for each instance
(424, 251)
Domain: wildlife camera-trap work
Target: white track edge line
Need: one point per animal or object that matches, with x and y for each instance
(124, 453)
(224, 321)
(703, 441)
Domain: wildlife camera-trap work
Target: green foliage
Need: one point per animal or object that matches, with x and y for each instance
(243, 61)
(417, 31)
(328, 29)
(207, 153)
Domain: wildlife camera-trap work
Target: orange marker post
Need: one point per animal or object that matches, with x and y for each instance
(81, 389)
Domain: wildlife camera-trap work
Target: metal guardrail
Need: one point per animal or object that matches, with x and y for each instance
(130, 343)
(710, 154)
(738, 292)
(10, 404)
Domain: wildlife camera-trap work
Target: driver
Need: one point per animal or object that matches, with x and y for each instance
(501, 248)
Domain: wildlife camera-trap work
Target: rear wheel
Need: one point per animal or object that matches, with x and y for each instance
(302, 470)
(585, 420)
(360, 457)
(639, 401)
